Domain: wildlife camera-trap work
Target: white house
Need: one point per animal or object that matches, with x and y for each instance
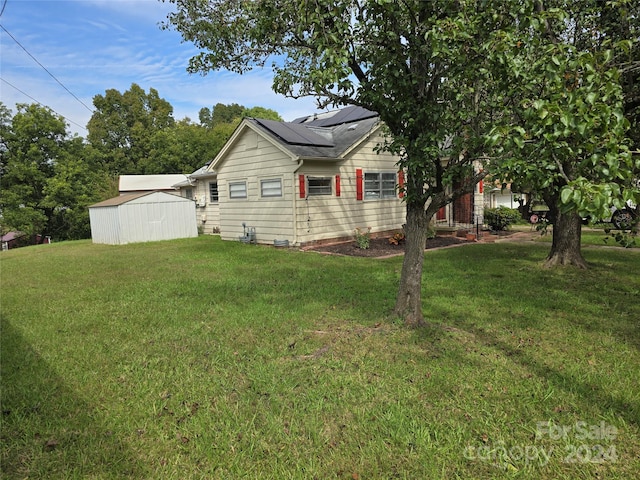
(202, 187)
(128, 184)
(315, 179)
(142, 217)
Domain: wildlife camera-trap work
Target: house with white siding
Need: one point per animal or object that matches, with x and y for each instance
(312, 180)
(315, 179)
(202, 187)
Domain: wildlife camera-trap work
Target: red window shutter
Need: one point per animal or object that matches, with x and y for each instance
(337, 185)
(303, 185)
(401, 184)
(481, 186)
(359, 184)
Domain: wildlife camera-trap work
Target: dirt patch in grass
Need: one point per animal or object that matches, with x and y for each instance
(380, 247)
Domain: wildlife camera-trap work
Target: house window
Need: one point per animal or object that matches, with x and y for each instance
(320, 185)
(271, 187)
(379, 185)
(213, 192)
(238, 190)
(188, 193)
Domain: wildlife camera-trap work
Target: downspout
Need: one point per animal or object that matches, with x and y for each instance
(295, 202)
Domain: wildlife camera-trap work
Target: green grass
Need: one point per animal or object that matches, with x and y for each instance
(206, 359)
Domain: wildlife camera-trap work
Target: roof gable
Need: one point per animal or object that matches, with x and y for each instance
(325, 136)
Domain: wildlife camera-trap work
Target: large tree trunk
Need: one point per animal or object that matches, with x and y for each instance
(565, 249)
(409, 299)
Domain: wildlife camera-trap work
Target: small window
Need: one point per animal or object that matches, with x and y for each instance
(320, 185)
(188, 193)
(271, 187)
(238, 190)
(379, 185)
(213, 192)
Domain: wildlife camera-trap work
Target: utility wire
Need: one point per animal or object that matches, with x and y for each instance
(42, 105)
(3, 7)
(45, 68)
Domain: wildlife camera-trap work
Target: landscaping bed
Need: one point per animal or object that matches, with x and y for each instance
(380, 247)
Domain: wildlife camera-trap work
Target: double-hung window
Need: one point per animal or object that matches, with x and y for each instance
(379, 185)
(320, 185)
(238, 190)
(271, 187)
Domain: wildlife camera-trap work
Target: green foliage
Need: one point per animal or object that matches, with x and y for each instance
(233, 113)
(362, 237)
(123, 127)
(565, 135)
(48, 179)
(501, 217)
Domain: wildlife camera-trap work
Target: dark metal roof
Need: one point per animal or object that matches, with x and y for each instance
(294, 134)
(308, 140)
(339, 117)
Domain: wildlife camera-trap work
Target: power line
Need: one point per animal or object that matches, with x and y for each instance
(42, 105)
(3, 6)
(45, 68)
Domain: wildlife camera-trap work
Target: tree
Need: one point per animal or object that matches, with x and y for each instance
(77, 182)
(565, 127)
(123, 126)
(33, 141)
(231, 114)
(185, 147)
(416, 63)
(48, 178)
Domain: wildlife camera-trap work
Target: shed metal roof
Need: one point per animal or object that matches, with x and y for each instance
(122, 199)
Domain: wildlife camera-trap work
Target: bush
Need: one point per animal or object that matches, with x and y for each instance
(500, 218)
(362, 237)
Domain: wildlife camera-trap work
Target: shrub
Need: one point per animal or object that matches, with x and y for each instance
(362, 237)
(501, 217)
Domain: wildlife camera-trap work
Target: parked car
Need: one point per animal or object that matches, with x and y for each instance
(623, 218)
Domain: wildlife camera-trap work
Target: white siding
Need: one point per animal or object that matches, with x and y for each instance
(105, 226)
(252, 159)
(301, 220)
(208, 217)
(327, 217)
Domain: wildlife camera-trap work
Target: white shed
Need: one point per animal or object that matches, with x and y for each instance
(142, 217)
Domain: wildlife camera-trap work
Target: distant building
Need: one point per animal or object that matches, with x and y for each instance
(149, 183)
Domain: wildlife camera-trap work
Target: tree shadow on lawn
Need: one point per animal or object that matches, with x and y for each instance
(48, 431)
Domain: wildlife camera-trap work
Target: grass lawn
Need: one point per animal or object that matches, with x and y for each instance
(206, 359)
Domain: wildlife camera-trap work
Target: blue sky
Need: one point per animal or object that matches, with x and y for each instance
(91, 46)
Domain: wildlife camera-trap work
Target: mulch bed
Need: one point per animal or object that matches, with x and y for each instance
(380, 247)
